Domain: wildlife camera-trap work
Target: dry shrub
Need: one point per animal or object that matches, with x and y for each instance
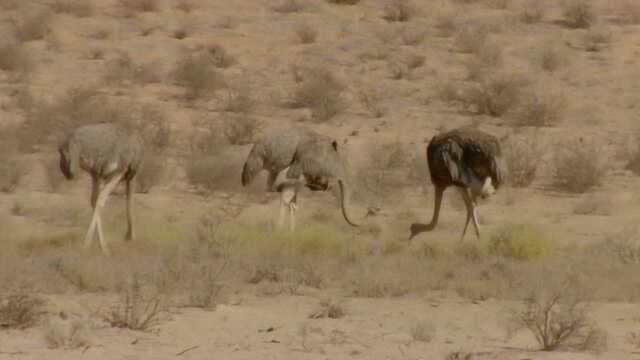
(19, 309)
(532, 11)
(459, 355)
(14, 59)
(523, 156)
(385, 172)
(186, 6)
(495, 93)
(150, 172)
(446, 24)
(32, 25)
(398, 69)
(376, 52)
(182, 31)
(557, 316)
(371, 98)
(135, 310)
(321, 91)
(237, 98)
(66, 333)
(398, 10)
(209, 167)
(471, 38)
(578, 166)
(290, 6)
(123, 69)
(540, 108)
(596, 38)
(306, 34)
(218, 56)
(132, 7)
(549, 57)
(412, 36)
(241, 129)
(628, 12)
(624, 246)
(579, 14)
(195, 73)
(488, 58)
(422, 331)
(343, 2)
(78, 8)
(328, 308)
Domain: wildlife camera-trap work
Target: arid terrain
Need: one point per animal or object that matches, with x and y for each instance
(553, 276)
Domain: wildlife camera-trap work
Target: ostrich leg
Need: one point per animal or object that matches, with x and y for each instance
(131, 235)
(95, 220)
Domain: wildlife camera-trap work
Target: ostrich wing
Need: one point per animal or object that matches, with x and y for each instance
(317, 157)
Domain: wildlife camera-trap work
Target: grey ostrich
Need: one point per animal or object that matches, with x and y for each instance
(110, 153)
(470, 160)
(296, 158)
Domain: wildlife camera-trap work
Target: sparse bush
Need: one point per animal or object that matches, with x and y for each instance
(195, 73)
(459, 355)
(423, 331)
(136, 311)
(290, 6)
(14, 58)
(549, 57)
(487, 59)
(19, 309)
(78, 8)
(32, 25)
(495, 93)
(520, 242)
(371, 98)
(624, 246)
(538, 108)
(523, 157)
(578, 13)
(122, 69)
(219, 56)
(557, 317)
(446, 24)
(398, 70)
(321, 91)
(532, 11)
(306, 34)
(67, 334)
(412, 36)
(578, 166)
(470, 38)
(237, 98)
(596, 38)
(398, 10)
(328, 309)
(241, 130)
(131, 7)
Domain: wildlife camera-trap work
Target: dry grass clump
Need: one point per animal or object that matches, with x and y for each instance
(459, 355)
(371, 99)
(495, 93)
(520, 242)
(343, 2)
(578, 166)
(32, 25)
(135, 310)
(219, 56)
(557, 316)
(237, 98)
(328, 308)
(385, 172)
(182, 31)
(471, 38)
(12, 169)
(422, 331)
(123, 69)
(549, 57)
(321, 91)
(66, 333)
(241, 129)
(540, 108)
(306, 34)
(290, 6)
(195, 73)
(78, 8)
(446, 24)
(487, 59)
(579, 14)
(412, 36)
(523, 156)
(532, 11)
(211, 162)
(132, 7)
(14, 58)
(398, 10)
(596, 39)
(19, 309)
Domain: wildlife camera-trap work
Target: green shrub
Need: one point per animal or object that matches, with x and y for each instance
(519, 242)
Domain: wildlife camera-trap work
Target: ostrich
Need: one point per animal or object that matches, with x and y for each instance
(110, 153)
(298, 157)
(470, 160)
